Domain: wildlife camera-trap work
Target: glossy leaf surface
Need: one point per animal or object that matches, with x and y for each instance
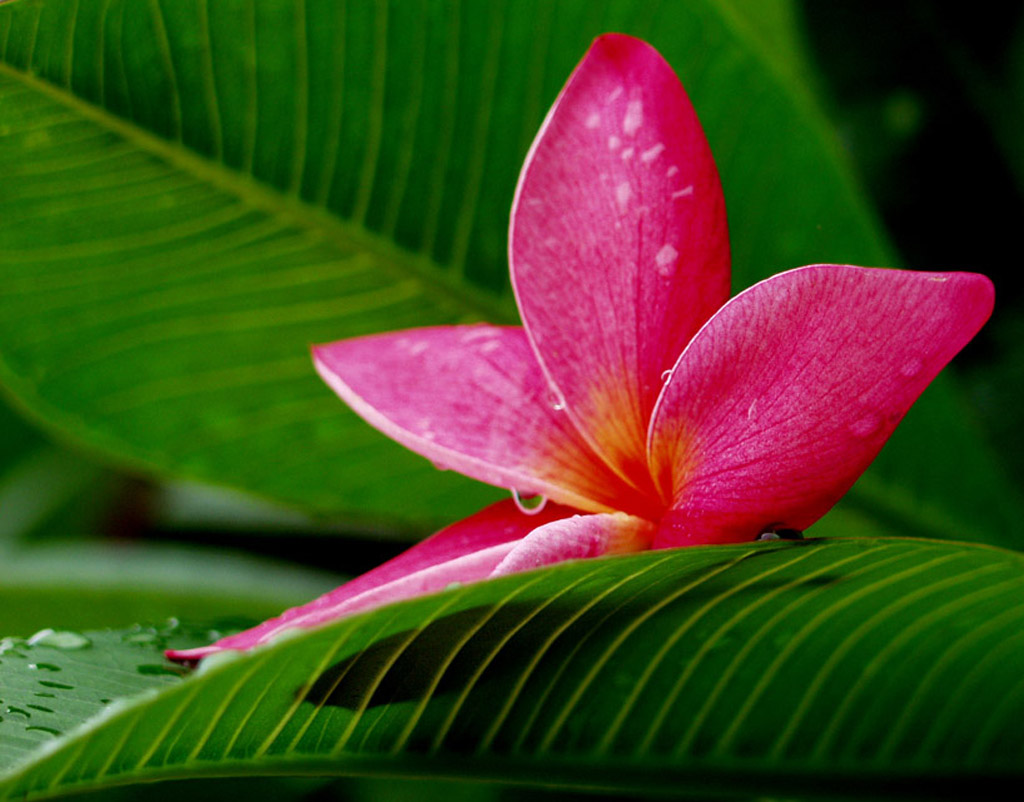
(825, 666)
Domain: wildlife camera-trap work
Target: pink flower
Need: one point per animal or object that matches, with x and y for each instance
(652, 409)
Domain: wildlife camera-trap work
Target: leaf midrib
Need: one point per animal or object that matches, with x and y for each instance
(287, 208)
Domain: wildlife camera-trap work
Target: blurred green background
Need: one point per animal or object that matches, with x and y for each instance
(926, 103)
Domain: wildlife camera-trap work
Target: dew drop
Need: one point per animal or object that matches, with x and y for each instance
(59, 639)
(556, 401)
(912, 368)
(43, 667)
(160, 670)
(47, 730)
(866, 426)
(666, 260)
(623, 192)
(140, 638)
(634, 117)
(530, 505)
(17, 711)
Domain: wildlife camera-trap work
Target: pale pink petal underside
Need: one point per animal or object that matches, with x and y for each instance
(473, 399)
(463, 552)
(618, 242)
(577, 538)
(787, 394)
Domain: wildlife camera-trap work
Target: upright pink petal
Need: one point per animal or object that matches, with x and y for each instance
(473, 399)
(618, 242)
(463, 552)
(578, 538)
(787, 394)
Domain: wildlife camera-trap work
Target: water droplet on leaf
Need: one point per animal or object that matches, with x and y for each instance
(59, 639)
(47, 730)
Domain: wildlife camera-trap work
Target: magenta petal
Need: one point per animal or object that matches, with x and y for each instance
(787, 394)
(618, 242)
(473, 399)
(463, 552)
(578, 538)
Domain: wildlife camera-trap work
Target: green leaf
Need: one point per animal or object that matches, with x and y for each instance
(843, 666)
(194, 192)
(85, 585)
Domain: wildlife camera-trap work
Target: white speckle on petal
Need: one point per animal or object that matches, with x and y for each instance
(477, 333)
(627, 154)
(671, 171)
(593, 120)
(613, 142)
(418, 348)
(489, 346)
(940, 279)
(534, 202)
(550, 242)
(616, 94)
(666, 259)
(623, 192)
(651, 154)
(634, 117)
(685, 192)
(866, 426)
(912, 368)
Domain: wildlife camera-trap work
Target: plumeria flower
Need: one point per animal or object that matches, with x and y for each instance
(648, 407)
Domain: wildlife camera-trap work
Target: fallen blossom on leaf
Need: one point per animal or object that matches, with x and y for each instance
(648, 407)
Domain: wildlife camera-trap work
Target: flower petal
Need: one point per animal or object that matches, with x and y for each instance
(463, 552)
(473, 399)
(577, 538)
(788, 393)
(618, 242)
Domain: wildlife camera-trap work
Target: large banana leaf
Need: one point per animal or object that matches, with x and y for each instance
(853, 665)
(195, 191)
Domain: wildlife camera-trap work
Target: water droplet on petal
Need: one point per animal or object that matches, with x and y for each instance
(866, 425)
(556, 401)
(530, 505)
(651, 154)
(623, 192)
(666, 260)
(912, 368)
(634, 117)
